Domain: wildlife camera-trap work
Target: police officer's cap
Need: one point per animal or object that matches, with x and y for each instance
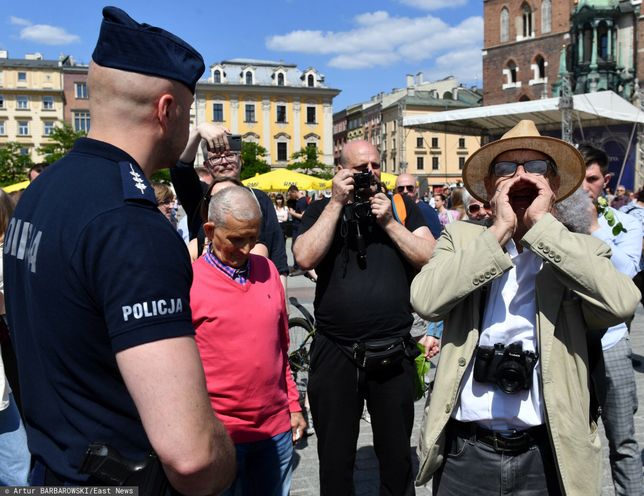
(130, 46)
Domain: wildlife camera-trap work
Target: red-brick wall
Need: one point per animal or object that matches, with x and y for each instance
(640, 43)
(523, 53)
(71, 102)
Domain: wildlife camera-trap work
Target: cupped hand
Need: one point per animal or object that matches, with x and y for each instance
(504, 222)
(543, 202)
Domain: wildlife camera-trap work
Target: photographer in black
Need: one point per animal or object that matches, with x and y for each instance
(365, 261)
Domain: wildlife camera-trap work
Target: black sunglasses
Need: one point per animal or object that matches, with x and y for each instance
(475, 207)
(409, 187)
(508, 169)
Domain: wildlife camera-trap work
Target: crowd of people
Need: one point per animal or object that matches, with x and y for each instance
(151, 351)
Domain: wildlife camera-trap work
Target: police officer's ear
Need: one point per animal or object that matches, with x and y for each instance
(209, 229)
(164, 110)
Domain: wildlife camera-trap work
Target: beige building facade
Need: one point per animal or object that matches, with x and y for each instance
(435, 158)
(31, 101)
(276, 105)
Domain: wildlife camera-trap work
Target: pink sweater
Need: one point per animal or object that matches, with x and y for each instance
(242, 335)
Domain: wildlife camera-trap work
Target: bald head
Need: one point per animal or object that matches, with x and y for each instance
(146, 116)
(360, 156)
(357, 150)
(125, 97)
(236, 201)
(406, 184)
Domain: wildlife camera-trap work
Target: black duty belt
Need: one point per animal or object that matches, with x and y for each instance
(516, 442)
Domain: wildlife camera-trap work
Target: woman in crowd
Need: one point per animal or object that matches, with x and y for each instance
(445, 216)
(282, 214)
(458, 202)
(14, 455)
(166, 201)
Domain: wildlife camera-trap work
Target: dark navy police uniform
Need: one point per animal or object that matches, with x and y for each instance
(92, 268)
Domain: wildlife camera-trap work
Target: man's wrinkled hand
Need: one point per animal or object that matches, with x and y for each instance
(381, 208)
(342, 187)
(216, 136)
(543, 202)
(298, 426)
(505, 220)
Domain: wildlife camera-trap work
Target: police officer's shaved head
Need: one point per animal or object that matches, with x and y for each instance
(236, 201)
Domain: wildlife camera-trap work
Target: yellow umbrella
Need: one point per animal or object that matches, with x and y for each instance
(388, 180)
(281, 179)
(15, 187)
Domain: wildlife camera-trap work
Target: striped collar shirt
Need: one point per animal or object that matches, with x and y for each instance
(240, 275)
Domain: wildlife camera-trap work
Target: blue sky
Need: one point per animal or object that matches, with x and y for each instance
(361, 47)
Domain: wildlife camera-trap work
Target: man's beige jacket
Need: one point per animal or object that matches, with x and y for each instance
(577, 290)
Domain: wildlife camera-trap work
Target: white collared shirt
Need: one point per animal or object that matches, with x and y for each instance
(510, 315)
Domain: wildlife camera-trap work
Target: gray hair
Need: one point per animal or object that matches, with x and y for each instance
(236, 201)
(574, 212)
(467, 198)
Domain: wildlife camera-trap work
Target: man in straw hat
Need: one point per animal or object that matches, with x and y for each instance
(510, 409)
(98, 291)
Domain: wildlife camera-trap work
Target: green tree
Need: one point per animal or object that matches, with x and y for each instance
(307, 161)
(253, 160)
(13, 165)
(62, 139)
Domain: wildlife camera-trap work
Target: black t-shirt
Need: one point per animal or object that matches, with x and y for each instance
(91, 268)
(355, 299)
(301, 204)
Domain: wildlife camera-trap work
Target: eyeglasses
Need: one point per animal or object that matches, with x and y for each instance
(509, 169)
(408, 187)
(476, 207)
(228, 156)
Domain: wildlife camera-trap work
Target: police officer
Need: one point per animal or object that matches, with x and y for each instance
(97, 282)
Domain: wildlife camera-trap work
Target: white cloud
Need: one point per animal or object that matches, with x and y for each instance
(433, 4)
(378, 39)
(43, 33)
(464, 65)
(48, 35)
(364, 60)
(19, 21)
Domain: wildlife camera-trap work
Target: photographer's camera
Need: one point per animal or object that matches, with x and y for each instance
(509, 367)
(361, 207)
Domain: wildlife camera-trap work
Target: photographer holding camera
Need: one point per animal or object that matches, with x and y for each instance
(510, 411)
(365, 261)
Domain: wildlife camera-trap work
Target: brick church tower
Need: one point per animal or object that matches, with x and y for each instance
(524, 39)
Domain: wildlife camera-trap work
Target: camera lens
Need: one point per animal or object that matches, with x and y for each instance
(510, 376)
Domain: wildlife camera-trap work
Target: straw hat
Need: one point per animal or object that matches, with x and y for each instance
(524, 136)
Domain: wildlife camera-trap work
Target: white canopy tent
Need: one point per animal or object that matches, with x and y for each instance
(603, 108)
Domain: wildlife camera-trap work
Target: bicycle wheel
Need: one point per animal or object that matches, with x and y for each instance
(301, 332)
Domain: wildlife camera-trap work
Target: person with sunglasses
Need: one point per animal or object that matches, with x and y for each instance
(510, 411)
(406, 185)
(476, 210)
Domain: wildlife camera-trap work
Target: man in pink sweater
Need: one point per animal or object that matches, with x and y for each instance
(239, 313)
